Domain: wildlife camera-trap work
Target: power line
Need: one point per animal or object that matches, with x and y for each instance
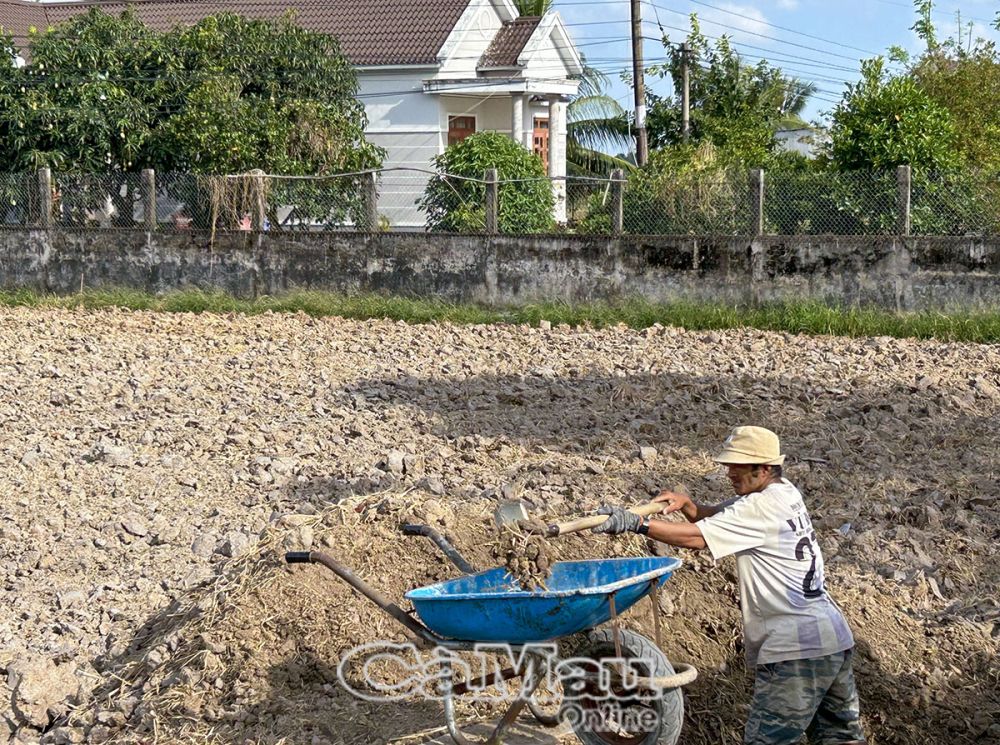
(776, 56)
(38, 80)
(194, 75)
(459, 86)
(811, 80)
(782, 28)
(941, 13)
(754, 33)
(611, 65)
(785, 55)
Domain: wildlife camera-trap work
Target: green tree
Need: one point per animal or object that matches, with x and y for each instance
(964, 79)
(733, 105)
(701, 186)
(885, 121)
(963, 76)
(262, 95)
(686, 189)
(105, 94)
(84, 102)
(888, 120)
(795, 95)
(455, 200)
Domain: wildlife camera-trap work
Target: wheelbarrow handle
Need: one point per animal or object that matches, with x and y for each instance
(315, 557)
(450, 551)
(583, 523)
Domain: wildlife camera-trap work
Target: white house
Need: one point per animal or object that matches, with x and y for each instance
(430, 73)
(494, 71)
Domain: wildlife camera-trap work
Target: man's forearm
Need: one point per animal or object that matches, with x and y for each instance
(684, 535)
(706, 510)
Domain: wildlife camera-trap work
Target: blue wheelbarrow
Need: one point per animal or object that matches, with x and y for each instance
(618, 688)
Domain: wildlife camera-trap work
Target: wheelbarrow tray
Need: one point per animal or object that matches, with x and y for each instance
(491, 607)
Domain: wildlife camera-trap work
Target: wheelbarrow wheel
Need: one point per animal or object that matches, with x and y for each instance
(622, 716)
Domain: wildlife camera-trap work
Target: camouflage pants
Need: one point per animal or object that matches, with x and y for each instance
(815, 697)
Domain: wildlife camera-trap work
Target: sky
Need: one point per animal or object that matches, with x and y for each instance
(818, 40)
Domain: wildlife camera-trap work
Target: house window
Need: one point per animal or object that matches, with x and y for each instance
(460, 127)
(540, 139)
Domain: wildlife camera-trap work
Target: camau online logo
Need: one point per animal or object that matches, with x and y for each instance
(588, 692)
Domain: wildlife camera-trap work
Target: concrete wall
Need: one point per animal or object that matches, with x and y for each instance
(904, 274)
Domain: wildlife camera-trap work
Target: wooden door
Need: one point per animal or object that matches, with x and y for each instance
(460, 127)
(540, 140)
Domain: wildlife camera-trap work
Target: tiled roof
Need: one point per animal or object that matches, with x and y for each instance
(506, 46)
(16, 17)
(371, 32)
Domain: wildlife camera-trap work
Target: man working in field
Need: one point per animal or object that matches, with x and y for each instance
(796, 638)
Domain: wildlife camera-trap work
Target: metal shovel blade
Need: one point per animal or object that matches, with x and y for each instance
(509, 511)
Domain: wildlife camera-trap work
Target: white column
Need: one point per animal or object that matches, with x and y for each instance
(557, 156)
(517, 118)
(529, 125)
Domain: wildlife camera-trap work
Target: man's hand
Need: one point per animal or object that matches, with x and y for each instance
(620, 521)
(675, 501)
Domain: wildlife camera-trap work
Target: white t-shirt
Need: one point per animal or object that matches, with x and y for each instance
(787, 613)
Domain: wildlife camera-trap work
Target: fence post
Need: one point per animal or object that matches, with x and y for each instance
(492, 201)
(757, 201)
(617, 201)
(258, 214)
(369, 203)
(45, 198)
(903, 176)
(149, 199)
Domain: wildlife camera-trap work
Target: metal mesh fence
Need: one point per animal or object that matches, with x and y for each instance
(107, 200)
(322, 203)
(19, 199)
(962, 203)
(399, 195)
(708, 203)
(531, 205)
(717, 203)
(261, 202)
(456, 204)
(835, 202)
(590, 204)
(180, 202)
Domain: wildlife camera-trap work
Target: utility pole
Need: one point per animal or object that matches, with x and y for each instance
(685, 92)
(638, 85)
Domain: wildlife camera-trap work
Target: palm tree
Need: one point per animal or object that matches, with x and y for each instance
(596, 122)
(795, 94)
(533, 7)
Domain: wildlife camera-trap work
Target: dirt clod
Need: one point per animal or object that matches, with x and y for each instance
(522, 548)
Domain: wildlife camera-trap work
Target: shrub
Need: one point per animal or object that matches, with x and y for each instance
(455, 200)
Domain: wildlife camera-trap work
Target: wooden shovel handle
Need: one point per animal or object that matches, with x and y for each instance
(575, 526)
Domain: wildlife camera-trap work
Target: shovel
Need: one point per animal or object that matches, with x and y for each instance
(511, 511)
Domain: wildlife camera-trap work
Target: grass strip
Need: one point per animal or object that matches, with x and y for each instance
(793, 317)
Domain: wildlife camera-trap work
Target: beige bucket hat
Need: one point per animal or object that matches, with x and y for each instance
(751, 445)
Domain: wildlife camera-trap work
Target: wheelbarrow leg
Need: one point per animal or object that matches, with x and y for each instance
(532, 679)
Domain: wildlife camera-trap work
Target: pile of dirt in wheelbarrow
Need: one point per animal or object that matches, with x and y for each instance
(157, 466)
